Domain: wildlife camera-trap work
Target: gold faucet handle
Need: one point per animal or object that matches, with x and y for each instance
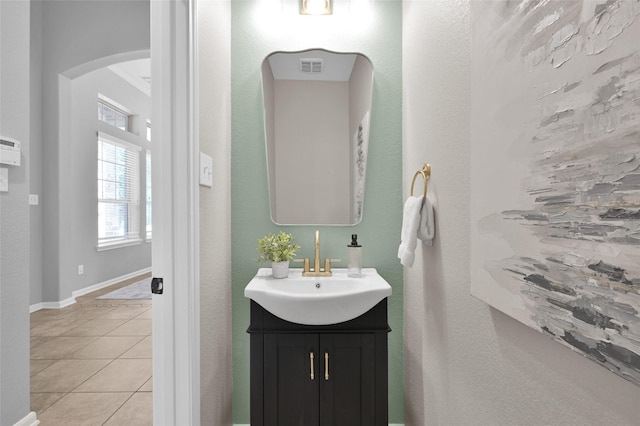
(327, 263)
(306, 266)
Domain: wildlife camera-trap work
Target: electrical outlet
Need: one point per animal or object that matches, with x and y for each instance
(80, 269)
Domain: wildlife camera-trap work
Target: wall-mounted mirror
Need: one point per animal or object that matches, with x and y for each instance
(317, 109)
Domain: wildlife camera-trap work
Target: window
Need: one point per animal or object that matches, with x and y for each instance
(118, 191)
(148, 195)
(113, 115)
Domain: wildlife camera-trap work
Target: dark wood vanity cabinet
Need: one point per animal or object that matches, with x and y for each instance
(333, 375)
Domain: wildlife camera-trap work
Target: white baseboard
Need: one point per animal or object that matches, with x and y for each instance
(107, 283)
(52, 305)
(35, 307)
(29, 420)
(70, 301)
(390, 424)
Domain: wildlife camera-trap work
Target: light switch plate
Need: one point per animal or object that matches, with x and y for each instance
(206, 170)
(4, 179)
(34, 199)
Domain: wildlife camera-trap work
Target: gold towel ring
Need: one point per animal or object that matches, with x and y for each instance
(426, 174)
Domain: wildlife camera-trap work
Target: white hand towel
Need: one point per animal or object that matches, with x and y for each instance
(426, 226)
(409, 234)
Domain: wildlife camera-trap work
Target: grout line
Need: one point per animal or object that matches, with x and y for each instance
(118, 409)
(88, 378)
(53, 403)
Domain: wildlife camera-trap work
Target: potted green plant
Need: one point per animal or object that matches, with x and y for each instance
(278, 249)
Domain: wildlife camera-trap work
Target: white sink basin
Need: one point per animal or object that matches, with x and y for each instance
(317, 300)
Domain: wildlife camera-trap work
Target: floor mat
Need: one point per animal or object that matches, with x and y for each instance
(137, 290)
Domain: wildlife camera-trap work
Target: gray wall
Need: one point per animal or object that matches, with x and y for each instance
(80, 239)
(14, 215)
(35, 159)
(466, 363)
(76, 37)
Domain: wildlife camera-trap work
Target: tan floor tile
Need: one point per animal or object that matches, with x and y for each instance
(141, 350)
(59, 347)
(42, 401)
(36, 340)
(133, 327)
(147, 387)
(137, 411)
(91, 312)
(108, 347)
(102, 302)
(119, 376)
(55, 312)
(56, 327)
(146, 315)
(37, 365)
(126, 312)
(83, 409)
(49, 314)
(95, 327)
(46, 314)
(69, 349)
(66, 374)
(119, 302)
(138, 302)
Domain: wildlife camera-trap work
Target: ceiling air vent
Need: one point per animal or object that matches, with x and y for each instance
(311, 65)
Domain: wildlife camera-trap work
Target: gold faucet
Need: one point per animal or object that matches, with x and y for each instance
(316, 272)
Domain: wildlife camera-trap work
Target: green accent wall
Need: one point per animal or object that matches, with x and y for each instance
(257, 31)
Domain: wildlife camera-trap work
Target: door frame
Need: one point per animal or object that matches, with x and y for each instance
(175, 251)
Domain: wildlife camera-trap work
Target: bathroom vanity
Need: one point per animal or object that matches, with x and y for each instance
(311, 375)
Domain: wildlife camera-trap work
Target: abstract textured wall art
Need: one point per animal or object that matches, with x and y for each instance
(555, 171)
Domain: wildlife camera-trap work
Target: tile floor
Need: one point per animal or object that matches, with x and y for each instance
(91, 362)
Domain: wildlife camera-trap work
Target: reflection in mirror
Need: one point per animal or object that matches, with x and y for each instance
(317, 109)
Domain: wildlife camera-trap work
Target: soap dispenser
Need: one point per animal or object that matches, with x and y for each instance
(354, 254)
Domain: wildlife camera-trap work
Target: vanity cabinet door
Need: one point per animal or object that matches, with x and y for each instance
(349, 360)
(347, 385)
(290, 389)
(319, 379)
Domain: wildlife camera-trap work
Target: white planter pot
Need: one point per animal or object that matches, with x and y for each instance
(280, 269)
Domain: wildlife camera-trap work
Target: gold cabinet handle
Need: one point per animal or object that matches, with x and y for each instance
(311, 364)
(326, 366)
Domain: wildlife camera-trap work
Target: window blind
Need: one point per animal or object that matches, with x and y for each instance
(118, 190)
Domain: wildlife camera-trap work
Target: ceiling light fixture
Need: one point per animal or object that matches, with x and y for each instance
(316, 7)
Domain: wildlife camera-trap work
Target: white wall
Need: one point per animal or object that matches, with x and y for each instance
(214, 39)
(14, 214)
(466, 363)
